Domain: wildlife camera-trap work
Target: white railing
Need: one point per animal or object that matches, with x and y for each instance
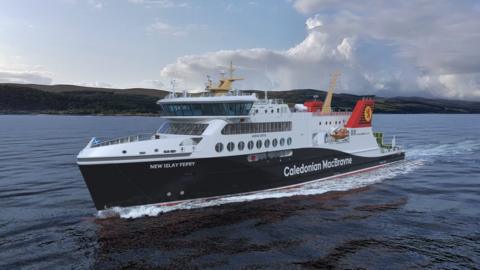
(98, 142)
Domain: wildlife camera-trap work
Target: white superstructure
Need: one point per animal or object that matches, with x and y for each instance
(269, 125)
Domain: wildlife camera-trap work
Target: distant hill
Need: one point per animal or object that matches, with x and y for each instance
(382, 104)
(72, 99)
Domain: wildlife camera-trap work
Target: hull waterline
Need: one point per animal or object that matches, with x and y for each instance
(167, 182)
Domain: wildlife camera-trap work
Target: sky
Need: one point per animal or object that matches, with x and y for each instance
(387, 48)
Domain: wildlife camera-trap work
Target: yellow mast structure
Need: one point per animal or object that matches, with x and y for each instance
(327, 104)
(224, 85)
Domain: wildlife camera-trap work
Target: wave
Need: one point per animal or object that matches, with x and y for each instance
(432, 151)
(314, 188)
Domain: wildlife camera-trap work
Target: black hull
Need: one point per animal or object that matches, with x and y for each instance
(141, 183)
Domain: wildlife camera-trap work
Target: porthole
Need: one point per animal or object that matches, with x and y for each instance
(124, 151)
(156, 150)
(267, 143)
(219, 147)
(259, 144)
(330, 122)
(266, 111)
(272, 110)
(230, 146)
(282, 141)
(274, 142)
(250, 145)
(256, 111)
(278, 110)
(241, 146)
(320, 123)
(289, 141)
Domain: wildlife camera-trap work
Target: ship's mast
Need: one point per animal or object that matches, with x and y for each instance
(327, 105)
(225, 84)
(172, 82)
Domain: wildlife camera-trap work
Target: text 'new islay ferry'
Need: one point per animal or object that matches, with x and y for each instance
(225, 142)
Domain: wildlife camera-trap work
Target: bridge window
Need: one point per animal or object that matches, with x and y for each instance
(200, 109)
(182, 128)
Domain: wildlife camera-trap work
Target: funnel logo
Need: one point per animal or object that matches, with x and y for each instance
(367, 114)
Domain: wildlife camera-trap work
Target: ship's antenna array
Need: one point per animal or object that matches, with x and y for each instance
(172, 83)
(231, 70)
(209, 81)
(225, 84)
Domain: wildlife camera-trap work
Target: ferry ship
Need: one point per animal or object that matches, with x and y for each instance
(223, 142)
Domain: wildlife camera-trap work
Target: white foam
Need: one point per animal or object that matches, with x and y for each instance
(319, 187)
(434, 150)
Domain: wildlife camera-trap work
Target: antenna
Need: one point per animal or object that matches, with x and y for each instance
(272, 83)
(231, 70)
(172, 82)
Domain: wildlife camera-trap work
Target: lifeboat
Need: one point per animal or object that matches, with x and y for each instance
(339, 133)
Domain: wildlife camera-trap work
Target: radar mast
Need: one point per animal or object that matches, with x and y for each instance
(225, 84)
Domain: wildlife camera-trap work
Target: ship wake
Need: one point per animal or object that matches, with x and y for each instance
(431, 152)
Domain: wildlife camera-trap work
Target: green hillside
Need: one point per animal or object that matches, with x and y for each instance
(16, 98)
(71, 99)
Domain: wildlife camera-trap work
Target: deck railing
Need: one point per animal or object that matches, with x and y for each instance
(97, 142)
(335, 111)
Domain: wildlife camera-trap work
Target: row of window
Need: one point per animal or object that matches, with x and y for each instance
(250, 145)
(199, 109)
(182, 128)
(245, 128)
(266, 111)
(335, 122)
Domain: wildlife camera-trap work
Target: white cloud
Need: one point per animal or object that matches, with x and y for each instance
(313, 22)
(95, 4)
(95, 84)
(386, 48)
(160, 3)
(178, 31)
(13, 70)
(25, 77)
(155, 84)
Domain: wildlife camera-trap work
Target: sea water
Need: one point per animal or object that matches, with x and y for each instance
(421, 213)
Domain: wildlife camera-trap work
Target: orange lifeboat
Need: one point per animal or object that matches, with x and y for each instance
(339, 133)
